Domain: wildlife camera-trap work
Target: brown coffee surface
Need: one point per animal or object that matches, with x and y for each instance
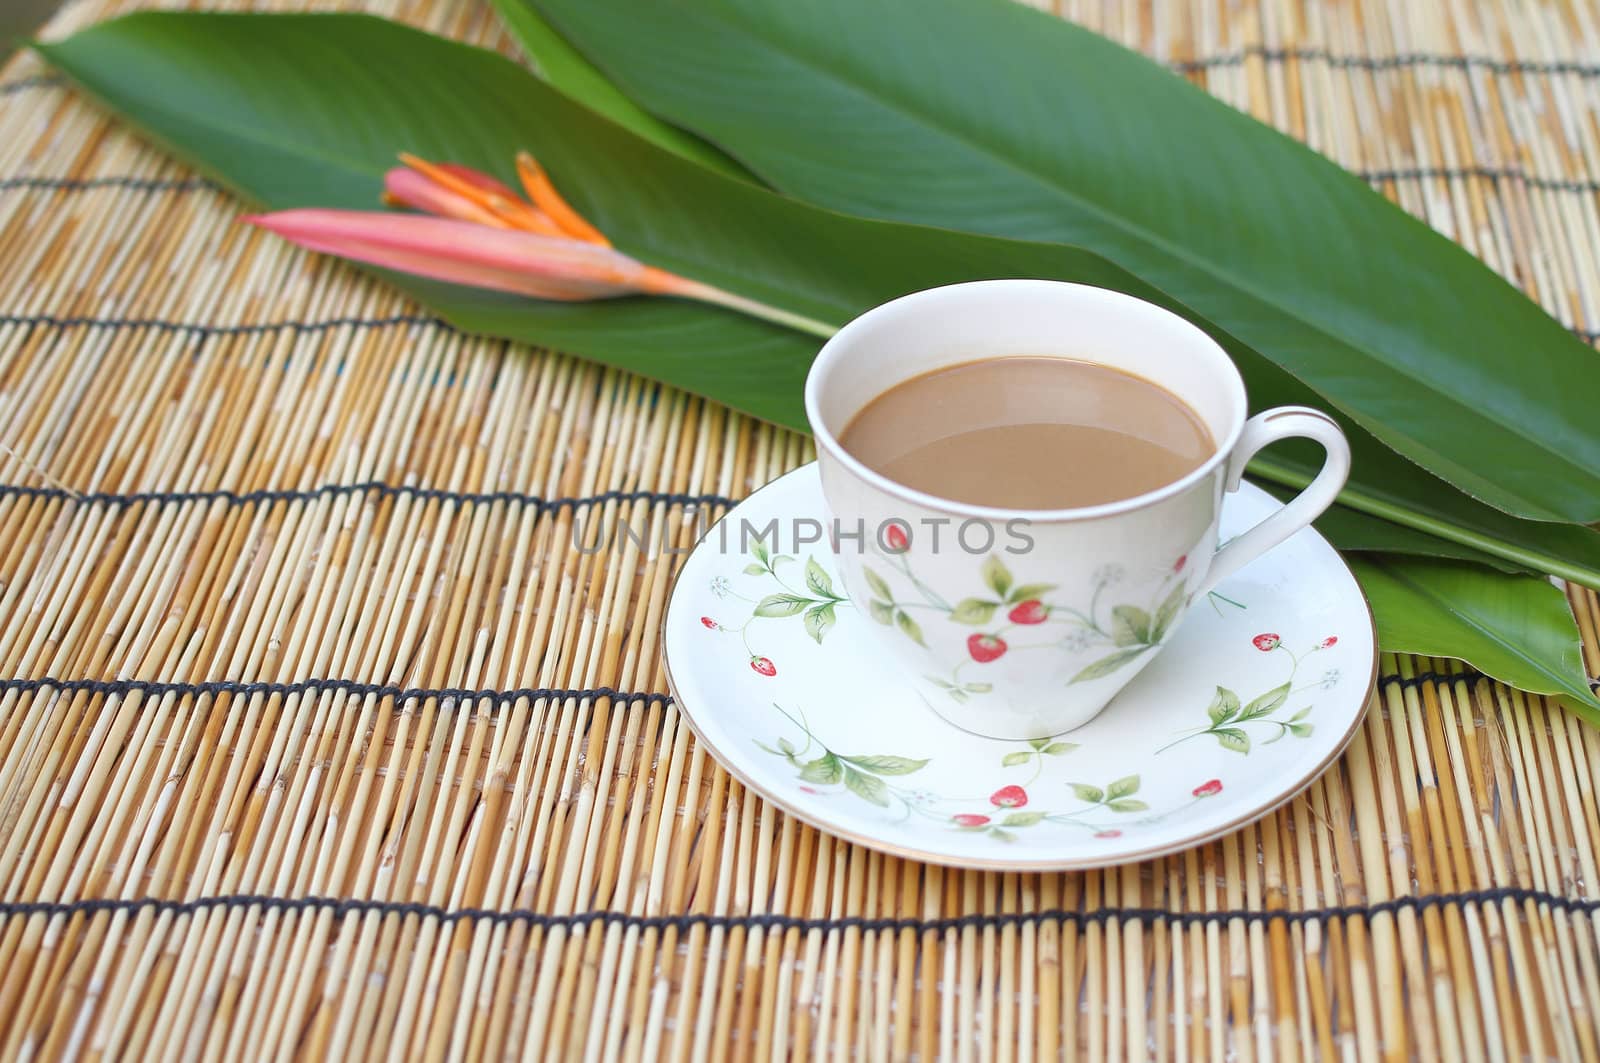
(1029, 433)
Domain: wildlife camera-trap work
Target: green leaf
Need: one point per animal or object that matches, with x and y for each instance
(1128, 805)
(309, 110)
(1123, 787)
(758, 547)
(825, 770)
(1001, 835)
(977, 688)
(1011, 760)
(1028, 591)
(960, 696)
(1130, 626)
(1224, 706)
(879, 587)
(996, 575)
(867, 787)
(1234, 739)
(818, 580)
(819, 620)
(560, 65)
(1106, 665)
(1518, 629)
(882, 612)
(973, 611)
(782, 605)
(1300, 730)
(753, 569)
(1302, 714)
(1092, 794)
(786, 747)
(1056, 749)
(1038, 743)
(1249, 229)
(1265, 704)
(886, 765)
(1167, 612)
(903, 621)
(1022, 819)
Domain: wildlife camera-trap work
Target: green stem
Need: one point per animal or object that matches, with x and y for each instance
(707, 294)
(1361, 501)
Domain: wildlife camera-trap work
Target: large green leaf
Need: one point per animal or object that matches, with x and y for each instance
(310, 110)
(987, 116)
(560, 65)
(1518, 629)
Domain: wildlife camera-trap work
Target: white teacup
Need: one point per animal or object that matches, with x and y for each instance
(1093, 593)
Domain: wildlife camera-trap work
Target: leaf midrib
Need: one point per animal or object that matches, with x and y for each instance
(895, 102)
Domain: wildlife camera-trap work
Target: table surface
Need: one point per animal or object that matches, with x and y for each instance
(318, 736)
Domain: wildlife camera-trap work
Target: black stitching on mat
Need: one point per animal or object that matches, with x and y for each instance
(195, 329)
(688, 921)
(214, 688)
(79, 184)
(192, 328)
(377, 487)
(27, 84)
(1392, 62)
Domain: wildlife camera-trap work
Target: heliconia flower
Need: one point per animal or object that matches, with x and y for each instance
(1331, 640)
(1208, 789)
(476, 231)
(969, 819)
(1266, 642)
(1009, 797)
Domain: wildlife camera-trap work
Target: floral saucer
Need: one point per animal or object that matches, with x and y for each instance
(1257, 693)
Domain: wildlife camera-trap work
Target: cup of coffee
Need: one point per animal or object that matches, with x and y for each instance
(1024, 479)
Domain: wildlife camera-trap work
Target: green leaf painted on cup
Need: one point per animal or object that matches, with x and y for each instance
(818, 580)
(825, 770)
(1130, 626)
(867, 787)
(1224, 706)
(879, 587)
(973, 611)
(1106, 665)
(996, 575)
(774, 605)
(886, 765)
(819, 620)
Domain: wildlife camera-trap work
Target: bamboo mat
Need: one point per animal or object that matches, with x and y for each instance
(318, 736)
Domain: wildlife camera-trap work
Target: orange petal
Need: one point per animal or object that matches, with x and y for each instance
(464, 253)
(484, 192)
(546, 198)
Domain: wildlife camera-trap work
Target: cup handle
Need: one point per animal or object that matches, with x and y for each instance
(1269, 427)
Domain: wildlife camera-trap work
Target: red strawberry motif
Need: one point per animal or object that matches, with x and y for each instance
(1207, 789)
(1032, 611)
(986, 648)
(763, 665)
(710, 623)
(1267, 641)
(969, 819)
(1177, 566)
(1331, 640)
(896, 537)
(1109, 834)
(1009, 797)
